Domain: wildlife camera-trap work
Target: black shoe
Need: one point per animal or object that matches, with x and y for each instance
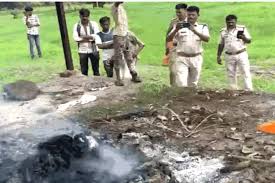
(135, 78)
(119, 83)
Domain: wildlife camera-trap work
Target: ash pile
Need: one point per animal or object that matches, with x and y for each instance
(81, 159)
(165, 164)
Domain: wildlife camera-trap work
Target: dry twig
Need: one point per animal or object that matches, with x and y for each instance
(204, 120)
(270, 162)
(163, 127)
(177, 116)
(194, 132)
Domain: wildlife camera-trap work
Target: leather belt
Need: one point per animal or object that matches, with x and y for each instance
(235, 53)
(188, 54)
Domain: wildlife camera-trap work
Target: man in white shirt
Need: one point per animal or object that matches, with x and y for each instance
(32, 23)
(85, 34)
(233, 40)
(187, 55)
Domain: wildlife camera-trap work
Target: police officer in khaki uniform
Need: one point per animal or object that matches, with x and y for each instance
(188, 52)
(169, 45)
(181, 16)
(233, 40)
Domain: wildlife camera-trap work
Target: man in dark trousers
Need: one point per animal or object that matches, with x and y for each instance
(85, 34)
(106, 36)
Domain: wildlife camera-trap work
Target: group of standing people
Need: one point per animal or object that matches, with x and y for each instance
(184, 48)
(120, 47)
(184, 40)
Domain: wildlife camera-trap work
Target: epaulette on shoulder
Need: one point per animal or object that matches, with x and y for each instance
(240, 26)
(174, 19)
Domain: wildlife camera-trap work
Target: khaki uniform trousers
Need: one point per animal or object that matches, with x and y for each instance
(185, 71)
(238, 61)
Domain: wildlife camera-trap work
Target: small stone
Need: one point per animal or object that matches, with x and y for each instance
(196, 107)
(247, 149)
(162, 118)
(155, 179)
(272, 158)
(236, 136)
(67, 73)
(248, 135)
(194, 153)
(233, 128)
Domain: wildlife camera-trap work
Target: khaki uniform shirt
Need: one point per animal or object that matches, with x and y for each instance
(120, 19)
(231, 42)
(188, 42)
(173, 24)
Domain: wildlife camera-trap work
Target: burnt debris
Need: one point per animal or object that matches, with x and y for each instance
(72, 160)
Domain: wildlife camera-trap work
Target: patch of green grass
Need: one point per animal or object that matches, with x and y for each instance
(149, 21)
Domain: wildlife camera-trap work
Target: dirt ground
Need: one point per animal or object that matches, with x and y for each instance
(206, 123)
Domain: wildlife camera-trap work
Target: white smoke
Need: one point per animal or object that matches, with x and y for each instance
(115, 162)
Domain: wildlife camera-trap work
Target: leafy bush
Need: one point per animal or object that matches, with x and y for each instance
(15, 13)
